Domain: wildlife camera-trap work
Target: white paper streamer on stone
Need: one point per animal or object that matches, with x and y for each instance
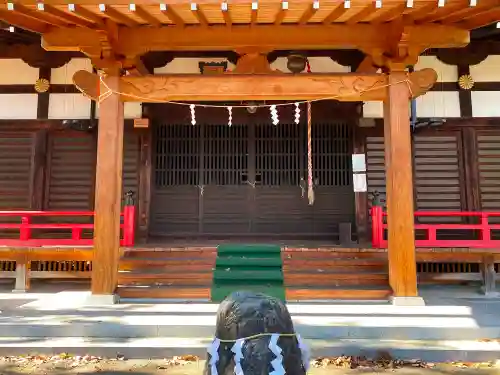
(306, 355)
(238, 356)
(277, 363)
(213, 350)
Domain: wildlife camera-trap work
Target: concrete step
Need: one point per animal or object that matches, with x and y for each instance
(314, 321)
(162, 347)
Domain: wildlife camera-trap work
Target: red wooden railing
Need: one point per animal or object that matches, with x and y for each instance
(483, 228)
(26, 226)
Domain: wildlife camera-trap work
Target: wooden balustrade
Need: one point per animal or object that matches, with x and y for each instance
(45, 235)
(483, 238)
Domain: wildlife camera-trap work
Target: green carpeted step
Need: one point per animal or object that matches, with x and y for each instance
(219, 292)
(255, 267)
(257, 274)
(253, 248)
(250, 263)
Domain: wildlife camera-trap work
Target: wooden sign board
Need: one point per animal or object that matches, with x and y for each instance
(141, 123)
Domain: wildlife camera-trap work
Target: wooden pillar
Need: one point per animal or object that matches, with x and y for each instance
(108, 193)
(401, 236)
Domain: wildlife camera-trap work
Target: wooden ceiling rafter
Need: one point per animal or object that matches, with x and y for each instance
(146, 16)
(87, 14)
(423, 11)
(484, 19)
(226, 14)
(361, 15)
(440, 13)
(64, 16)
(118, 16)
(254, 15)
(282, 12)
(309, 13)
(387, 15)
(335, 14)
(465, 13)
(172, 15)
(40, 16)
(199, 14)
(23, 22)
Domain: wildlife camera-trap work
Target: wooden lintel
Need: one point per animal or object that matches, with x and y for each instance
(237, 87)
(132, 41)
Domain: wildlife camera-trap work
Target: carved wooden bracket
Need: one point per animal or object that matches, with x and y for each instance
(239, 87)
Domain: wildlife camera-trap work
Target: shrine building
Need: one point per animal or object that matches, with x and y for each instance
(310, 149)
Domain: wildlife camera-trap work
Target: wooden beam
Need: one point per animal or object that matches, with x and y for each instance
(280, 16)
(335, 14)
(484, 19)
(173, 16)
(399, 188)
(236, 87)
(87, 14)
(226, 15)
(137, 41)
(389, 14)
(441, 13)
(40, 16)
(68, 17)
(108, 193)
(465, 13)
(254, 13)
(23, 22)
(307, 15)
(198, 13)
(120, 17)
(146, 16)
(361, 15)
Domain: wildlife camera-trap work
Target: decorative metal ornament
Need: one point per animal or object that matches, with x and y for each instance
(42, 85)
(466, 82)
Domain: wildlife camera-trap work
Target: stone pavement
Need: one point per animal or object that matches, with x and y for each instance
(456, 324)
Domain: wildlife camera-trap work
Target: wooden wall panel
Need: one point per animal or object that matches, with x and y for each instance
(438, 171)
(488, 151)
(71, 171)
(375, 168)
(131, 159)
(15, 170)
(437, 175)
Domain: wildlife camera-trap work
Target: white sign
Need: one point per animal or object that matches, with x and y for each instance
(358, 163)
(359, 183)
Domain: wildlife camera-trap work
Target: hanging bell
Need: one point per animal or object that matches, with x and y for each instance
(296, 63)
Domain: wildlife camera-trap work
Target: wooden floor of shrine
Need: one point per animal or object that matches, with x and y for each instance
(312, 270)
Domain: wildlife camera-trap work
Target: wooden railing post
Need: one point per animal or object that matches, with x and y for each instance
(399, 185)
(25, 230)
(377, 226)
(129, 220)
(108, 192)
